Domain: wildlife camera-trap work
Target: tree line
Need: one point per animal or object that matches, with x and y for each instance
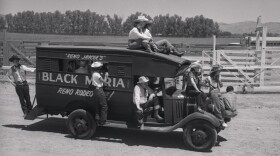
(91, 23)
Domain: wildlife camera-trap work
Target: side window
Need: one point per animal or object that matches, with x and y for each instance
(78, 66)
(50, 64)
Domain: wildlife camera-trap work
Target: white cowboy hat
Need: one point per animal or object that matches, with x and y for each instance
(196, 65)
(141, 19)
(143, 79)
(96, 64)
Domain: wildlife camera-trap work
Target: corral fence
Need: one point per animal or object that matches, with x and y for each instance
(245, 67)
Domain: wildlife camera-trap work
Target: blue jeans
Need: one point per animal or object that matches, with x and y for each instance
(164, 43)
(102, 106)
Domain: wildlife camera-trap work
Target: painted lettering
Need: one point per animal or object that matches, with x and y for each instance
(88, 81)
(84, 93)
(74, 79)
(51, 78)
(65, 91)
(45, 76)
(73, 56)
(120, 83)
(65, 78)
(59, 78)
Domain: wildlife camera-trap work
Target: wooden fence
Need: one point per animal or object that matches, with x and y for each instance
(245, 67)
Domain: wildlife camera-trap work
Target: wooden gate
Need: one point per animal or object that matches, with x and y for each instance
(240, 67)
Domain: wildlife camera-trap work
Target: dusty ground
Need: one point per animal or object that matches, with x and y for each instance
(256, 131)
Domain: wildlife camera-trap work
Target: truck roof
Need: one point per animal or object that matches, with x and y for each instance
(144, 63)
(113, 50)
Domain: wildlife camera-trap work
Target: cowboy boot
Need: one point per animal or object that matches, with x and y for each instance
(157, 117)
(174, 51)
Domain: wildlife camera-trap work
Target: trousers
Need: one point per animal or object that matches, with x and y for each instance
(22, 91)
(102, 106)
(147, 107)
(217, 101)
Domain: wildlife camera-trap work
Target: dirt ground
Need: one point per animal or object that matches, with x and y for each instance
(255, 131)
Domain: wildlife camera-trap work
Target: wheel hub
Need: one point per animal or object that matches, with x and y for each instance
(199, 137)
(80, 126)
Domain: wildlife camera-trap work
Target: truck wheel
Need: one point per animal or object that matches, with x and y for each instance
(81, 124)
(199, 135)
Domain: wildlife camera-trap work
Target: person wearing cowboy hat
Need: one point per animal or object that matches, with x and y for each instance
(192, 84)
(213, 81)
(18, 80)
(165, 46)
(144, 98)
(97, 82)
(137, 40)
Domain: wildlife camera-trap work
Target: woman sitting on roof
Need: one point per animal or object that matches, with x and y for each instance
(137, 39)
(141, 38)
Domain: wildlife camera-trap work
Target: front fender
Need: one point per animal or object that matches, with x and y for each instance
(199, 116)
(194, 116)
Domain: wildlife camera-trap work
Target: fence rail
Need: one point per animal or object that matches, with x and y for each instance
(245, 67)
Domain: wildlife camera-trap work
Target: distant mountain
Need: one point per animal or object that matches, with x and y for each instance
(248, 27)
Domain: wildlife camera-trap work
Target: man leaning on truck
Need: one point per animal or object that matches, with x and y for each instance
(98, 81)
(18, 72)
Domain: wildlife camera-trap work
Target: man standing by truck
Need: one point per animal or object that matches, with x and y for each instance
(18, 72)
(97, 81)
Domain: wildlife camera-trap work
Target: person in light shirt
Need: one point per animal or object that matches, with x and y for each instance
(145, 99)
(137, 40)
(17, 77)
(97, 82)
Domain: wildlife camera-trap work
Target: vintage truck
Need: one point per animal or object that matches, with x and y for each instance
(59, 90)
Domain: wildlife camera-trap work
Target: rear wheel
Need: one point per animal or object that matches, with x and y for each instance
(199, 135)
(81, 124)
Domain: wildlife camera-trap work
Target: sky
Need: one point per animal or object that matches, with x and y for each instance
(227, 11)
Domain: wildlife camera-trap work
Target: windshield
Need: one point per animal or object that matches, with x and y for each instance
(173, 85)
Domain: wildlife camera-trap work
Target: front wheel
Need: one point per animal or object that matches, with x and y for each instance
(81, 124)
(199, 135)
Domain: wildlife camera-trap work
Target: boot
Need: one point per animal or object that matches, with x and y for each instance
(157, 117)
(174, 51)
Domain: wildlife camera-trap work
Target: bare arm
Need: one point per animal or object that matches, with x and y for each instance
(136, 97)
(25, 68)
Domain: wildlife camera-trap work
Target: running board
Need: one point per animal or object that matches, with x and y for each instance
(34, 113)
(147, 126)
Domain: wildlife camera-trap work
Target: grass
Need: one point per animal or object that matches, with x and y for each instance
(108, 39)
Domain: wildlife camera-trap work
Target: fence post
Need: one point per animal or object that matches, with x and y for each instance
(6, 54)
(263, 57)
(214, 50)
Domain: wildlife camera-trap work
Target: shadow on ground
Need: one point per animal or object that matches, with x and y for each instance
(114, 135)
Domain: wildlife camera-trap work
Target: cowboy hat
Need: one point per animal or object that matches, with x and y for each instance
(96, 64)
(195, 65)
(14, 57)
(143, 79)
(149, 22)
(141, 19)
(216, 68)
